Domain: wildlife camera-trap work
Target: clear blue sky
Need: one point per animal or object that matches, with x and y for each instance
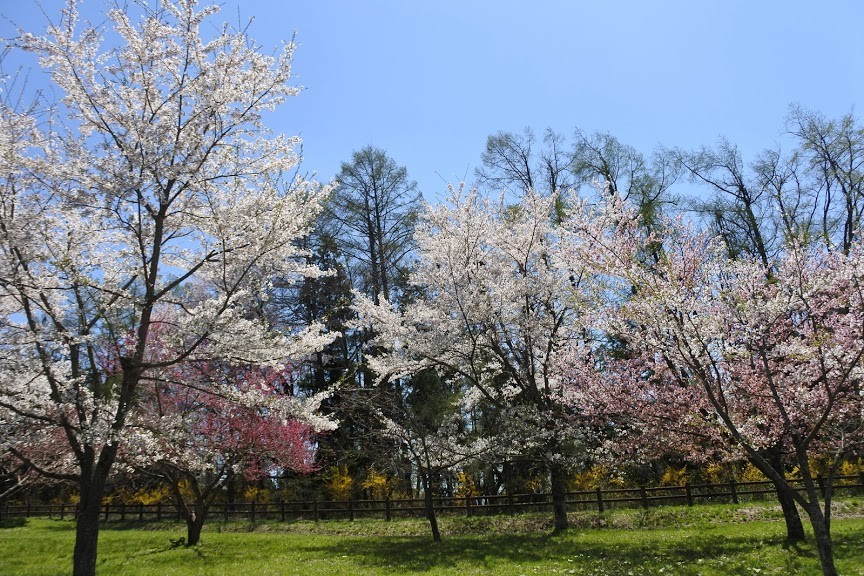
(429, 81)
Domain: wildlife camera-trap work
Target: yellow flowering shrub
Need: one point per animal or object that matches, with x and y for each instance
(593, 478)
(339, 483)
(674, 476)
(465, 485)
(378, 484)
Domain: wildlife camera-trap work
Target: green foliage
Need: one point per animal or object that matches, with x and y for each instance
(429, 401)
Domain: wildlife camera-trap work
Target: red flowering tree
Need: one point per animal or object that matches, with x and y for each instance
(205, 422)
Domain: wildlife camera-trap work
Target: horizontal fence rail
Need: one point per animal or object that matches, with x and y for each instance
(598, 500)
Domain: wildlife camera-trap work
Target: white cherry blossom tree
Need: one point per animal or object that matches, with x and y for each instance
(151, 188)
(498, 304)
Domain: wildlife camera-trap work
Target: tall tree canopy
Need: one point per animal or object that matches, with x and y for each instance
(375, 207)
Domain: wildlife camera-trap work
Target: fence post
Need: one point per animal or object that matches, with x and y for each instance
(510, 504)
(600, 507)
(122, 511)
(106, 510)
(689, 493)
(733, 489)
(252, 511)
(644, 495)
(315, 509)
(140, 511)
(159, 511)
(468, 506)
(62, 511)
(387, 513)
(351, 509)
(282, 510)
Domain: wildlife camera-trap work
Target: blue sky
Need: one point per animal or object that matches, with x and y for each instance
(429, 81)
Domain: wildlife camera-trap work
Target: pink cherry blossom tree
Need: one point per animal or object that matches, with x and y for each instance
(17, 476)
(151, 184)
(731, 359)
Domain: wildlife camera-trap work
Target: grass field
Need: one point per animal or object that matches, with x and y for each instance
(706, 540)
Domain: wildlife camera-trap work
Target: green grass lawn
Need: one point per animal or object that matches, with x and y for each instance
(707, 540)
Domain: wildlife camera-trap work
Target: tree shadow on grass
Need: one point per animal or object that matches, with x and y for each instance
(618, 556)
(48, 524)
(13, 522)
(419, 554)
(149, 525)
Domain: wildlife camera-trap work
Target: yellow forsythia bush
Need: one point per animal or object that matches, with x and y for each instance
(674, 476)
(339, 484)
(378, 484)
(465, 485)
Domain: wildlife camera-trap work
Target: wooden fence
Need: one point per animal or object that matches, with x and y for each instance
(597, 500)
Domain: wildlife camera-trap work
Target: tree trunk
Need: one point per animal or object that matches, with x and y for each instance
(194, 524)
(87, 527)
(193, 512)
(823, 540)
(794, 526)
(428, 503)
(231, 494)
(558, 477)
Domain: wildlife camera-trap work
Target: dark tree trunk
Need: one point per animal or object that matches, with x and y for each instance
(194, 512)
(558, 477)
(231, 494)
(428, 503)
(86, 539)
(407, 485)
(794, 526)
(87, 526)
(194, 524)
(823, 540)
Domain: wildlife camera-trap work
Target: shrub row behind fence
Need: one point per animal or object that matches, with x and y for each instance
(598, 500)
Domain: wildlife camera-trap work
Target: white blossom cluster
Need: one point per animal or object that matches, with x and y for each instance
(499, 302)
(151, 190)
